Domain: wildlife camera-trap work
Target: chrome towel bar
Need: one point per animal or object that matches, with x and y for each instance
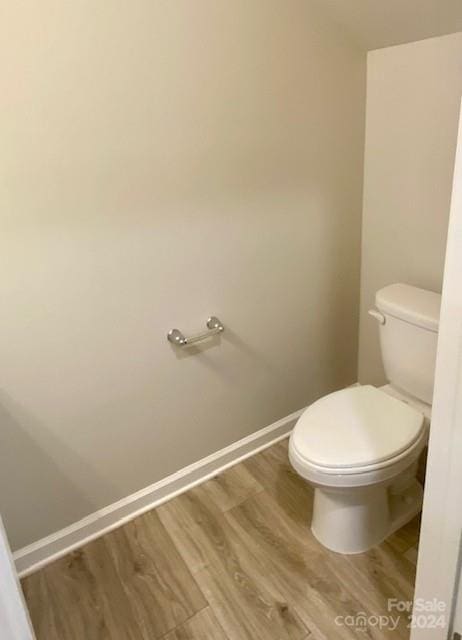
(176, 337)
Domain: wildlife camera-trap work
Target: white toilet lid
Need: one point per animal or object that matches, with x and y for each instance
(356, 427)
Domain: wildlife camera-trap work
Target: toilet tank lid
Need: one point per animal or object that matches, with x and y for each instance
(411, 304)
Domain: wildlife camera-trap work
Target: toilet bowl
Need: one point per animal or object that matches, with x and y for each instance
(359, 447)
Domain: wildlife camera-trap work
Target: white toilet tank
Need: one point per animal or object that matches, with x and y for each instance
(408, 337)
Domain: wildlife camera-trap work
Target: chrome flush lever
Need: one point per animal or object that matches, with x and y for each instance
(176, 337)
(377, 315)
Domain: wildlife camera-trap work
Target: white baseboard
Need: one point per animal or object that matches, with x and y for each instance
(56, 545)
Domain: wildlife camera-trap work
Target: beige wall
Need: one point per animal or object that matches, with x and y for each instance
(162, 161)
(413, 97)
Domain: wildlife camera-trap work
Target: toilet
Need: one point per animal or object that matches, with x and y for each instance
(359, 447)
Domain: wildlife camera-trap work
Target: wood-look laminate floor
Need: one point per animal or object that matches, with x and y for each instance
(232, 559)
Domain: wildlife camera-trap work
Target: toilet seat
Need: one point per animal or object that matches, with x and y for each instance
(356, 427)
(356, 477)
(356, 436)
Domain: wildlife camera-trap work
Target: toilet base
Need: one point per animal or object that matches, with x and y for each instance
(352, 521)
